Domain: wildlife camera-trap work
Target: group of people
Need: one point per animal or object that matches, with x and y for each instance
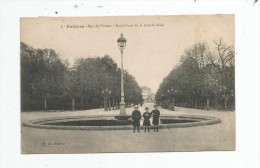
(136, 116)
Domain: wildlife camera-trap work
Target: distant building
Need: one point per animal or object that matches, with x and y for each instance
(147, 94)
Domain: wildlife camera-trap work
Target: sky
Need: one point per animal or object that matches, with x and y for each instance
(154, 46)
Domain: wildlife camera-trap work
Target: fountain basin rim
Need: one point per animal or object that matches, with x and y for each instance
(201, 120)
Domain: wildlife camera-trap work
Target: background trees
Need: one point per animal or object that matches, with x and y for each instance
(205, 77)
(47, 82)
(42, 78)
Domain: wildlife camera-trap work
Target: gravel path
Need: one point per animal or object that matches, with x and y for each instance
(211, 137)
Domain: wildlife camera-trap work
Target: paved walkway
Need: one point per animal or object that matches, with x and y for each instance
(211, 137)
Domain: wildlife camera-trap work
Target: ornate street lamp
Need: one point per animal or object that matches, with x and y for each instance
(162, 100)
(106, 93)
(172, 93)
(121, 45)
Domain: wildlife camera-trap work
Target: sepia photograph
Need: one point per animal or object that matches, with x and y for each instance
(158, 83)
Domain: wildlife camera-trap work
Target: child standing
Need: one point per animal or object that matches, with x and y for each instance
(136, 116)
(156, 114)
(147, 122)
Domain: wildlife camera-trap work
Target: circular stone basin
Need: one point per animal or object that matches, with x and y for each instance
(110, 123)
(95, 122)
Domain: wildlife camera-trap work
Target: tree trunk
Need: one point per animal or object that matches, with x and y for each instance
(109, 106)
(73, 104)
(173, 104)
(45, 104)
(208, 104)
(113, 104)
(81, 101)
(105, 105)
(225, 102)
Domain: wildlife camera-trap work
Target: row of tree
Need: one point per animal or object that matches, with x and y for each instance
(48, 83)
(205, 78)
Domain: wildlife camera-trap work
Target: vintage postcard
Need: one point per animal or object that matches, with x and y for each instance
(127, 84)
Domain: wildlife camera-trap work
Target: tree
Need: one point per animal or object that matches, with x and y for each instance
(42, 74)
(222, 58)
(98, 79)
(203, 77)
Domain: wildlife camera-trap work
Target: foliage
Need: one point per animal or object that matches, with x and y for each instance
(44, 76)
(202, 75)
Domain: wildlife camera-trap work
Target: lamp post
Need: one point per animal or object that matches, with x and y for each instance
(106, 93)
(172, 92)
(104, 96)
(162, 100)
(170, 105)
(121, 45)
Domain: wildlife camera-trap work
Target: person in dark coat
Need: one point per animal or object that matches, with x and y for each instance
(136, 116)
(155, 113)
(146, 122)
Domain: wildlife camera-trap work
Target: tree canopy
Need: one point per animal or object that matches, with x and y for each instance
(45, 77)
(204, 74)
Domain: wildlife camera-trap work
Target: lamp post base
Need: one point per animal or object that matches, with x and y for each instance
(122, 108)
